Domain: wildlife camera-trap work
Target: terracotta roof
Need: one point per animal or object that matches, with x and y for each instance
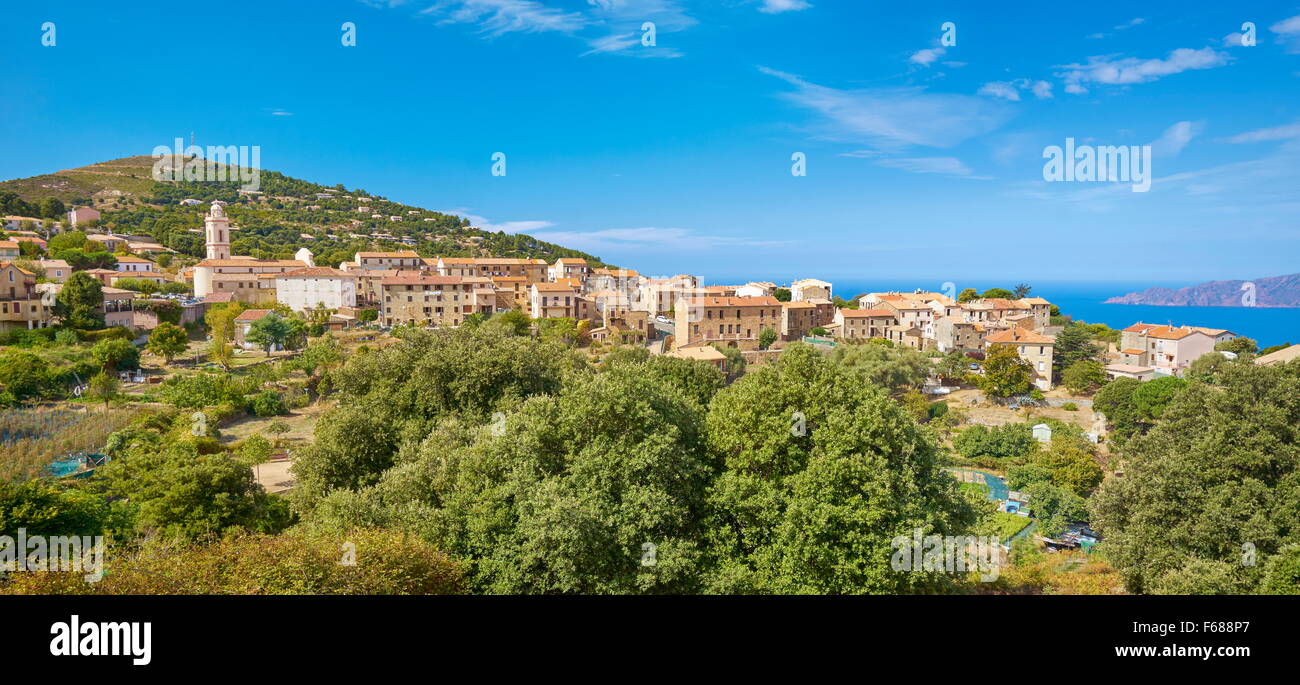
(1164, 332)
(403, 254)
(553, 287)
(867, 313)
(764, 301)
(316, 272)
(1209, 331)
(1034, 300)
(421, 280)
(252, 262)
(219, 297)
(1283, 355)
(1019, 335)
(133, 260)
(252, 314)
(9, 244)
(1131, 351)
(706, 353)
(798, 305)
(570, 260)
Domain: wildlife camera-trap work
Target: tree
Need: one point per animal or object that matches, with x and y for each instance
(804, 444)
(1073, 345)
(268, 331)
(781, 294)
(52, 208)
(1115, 402)
(79, 301)
(221, 326)
(953, 366)
(67, 240)
(967, 295)
(888, 367)
(1151, 398)
(1238, 345)
(736, 362)
(1022, 290)
(766, 337)
(1010, 441)
(116, 354)
(1005, 373)
(23, 375)
(102, 386)
(1084, 376)
(514, 321)
(1000, 293)
(1213, 480)
(167, 341)
(367, 315)
(255, 450)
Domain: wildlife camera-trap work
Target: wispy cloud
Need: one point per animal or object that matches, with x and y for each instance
(507, 226)
(1176, 137)
(605, 26)
(1000, 89)
(499, 17)
(1288, 33)
(1266, 134)
(946, 166)
(927, 56)
(1120, 27)
(649, 238)
(280, 113)
(1113, 70)
(623, 20)
(894, 118)
(778, 6)
(1010, 90)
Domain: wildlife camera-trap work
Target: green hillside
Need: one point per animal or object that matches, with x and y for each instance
(288, 214)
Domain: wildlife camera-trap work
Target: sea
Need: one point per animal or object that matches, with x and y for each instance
(1084, 301)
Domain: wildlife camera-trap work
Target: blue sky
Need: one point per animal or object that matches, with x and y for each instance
(923, 160)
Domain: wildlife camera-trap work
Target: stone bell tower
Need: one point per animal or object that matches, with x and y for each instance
(217, 232)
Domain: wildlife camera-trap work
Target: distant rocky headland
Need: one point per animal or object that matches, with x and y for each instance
(1274, 291)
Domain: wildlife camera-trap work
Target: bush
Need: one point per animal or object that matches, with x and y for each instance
(267, 403)
(385, 563)
(203, 390)
(1070, 406)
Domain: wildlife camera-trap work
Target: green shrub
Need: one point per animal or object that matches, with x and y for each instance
(267, 403)
(1070, 406)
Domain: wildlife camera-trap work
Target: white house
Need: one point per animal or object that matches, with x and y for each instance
(313, 286)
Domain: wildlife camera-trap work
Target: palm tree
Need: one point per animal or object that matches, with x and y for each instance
(1022, 290)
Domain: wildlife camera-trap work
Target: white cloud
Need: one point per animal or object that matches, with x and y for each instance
(895, 118)
(1010, 90)
(1000, 89)
(927, 56)
(499, 17)
(647, 238)
(1075, 89)
(624, 19)
(1232, 40)
(778, 6)
(947, 166)
(1265, 134)
(1110, 70)
(1176, 137)
(860, 154)
(1121, 27)
(1288, 33)
(507, 226)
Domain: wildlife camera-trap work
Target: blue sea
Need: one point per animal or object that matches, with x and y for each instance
(1083, 301)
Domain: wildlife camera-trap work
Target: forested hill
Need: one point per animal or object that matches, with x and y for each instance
(1274, 291)
(288, 214)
